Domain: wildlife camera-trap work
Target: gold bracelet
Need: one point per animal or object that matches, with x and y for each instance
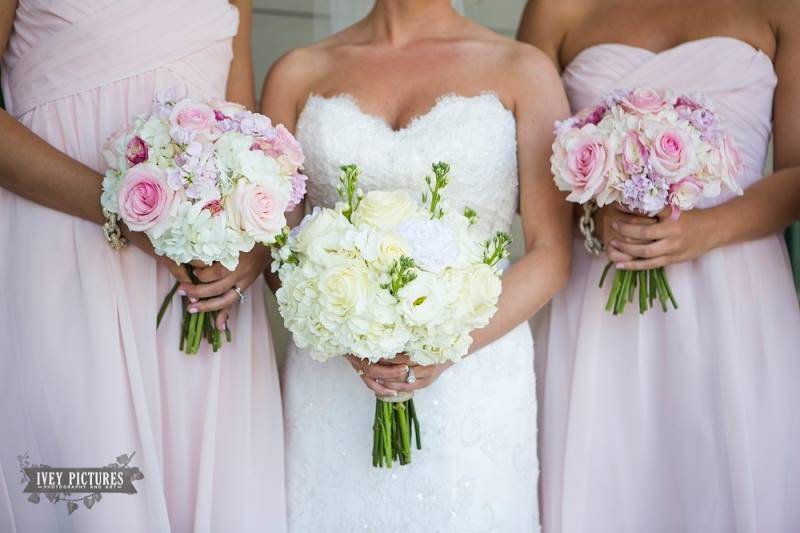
(112, 231)
(587, 227)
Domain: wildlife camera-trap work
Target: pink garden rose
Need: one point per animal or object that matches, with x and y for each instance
(193, 116)
(257, 210)
(581, 163)
(684, 194)
(671, 154)
(645, 100)
(137, 151)
(144, 197)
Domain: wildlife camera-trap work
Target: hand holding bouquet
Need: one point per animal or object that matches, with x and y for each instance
(383, 274)
(648, 150)
(205, 180)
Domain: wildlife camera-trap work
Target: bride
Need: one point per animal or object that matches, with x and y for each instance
(411, 84)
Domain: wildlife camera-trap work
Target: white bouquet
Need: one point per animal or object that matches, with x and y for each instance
(388, 273)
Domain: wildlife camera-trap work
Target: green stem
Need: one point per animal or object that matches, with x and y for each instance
(405, 437)
(166, 302)
(663, 274)
(605, 273)
(413, 412)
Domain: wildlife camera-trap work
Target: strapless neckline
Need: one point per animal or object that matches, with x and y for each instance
(441, 100)
(687, 44)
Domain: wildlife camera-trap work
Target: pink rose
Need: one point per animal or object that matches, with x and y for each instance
(257, 210)
(214, 207)
(671, 154)
(581, 163)
(645, 100)
(137, 151)
(193, 116)
(144, 197)
(684, 194)
(634, 154)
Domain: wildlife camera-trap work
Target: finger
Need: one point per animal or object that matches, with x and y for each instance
(198, 264)
(420, 383)
(399, 359)
(212, 273)
(649, 232)
(639, 220)
(222, 319)
(214, 304)
(377, 388)
(615, 256)
(387, 372)
(644, 251)
(209, 290)
(646, 264)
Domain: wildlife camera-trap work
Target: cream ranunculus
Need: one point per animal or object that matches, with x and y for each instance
(385, 209)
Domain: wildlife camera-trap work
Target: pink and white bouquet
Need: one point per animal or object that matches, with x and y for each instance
(385, 273)
(205, 180)
(649, 150)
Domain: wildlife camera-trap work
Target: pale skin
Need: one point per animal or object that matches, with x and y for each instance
(395, 63)
(562, 28)
(37, 171)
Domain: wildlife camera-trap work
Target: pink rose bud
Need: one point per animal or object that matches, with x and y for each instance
(214, 207)
(144, 197)
(645, 100)
(137, 151)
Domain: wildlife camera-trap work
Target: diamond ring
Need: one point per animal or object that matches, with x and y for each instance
(411, 378)
(239, 292)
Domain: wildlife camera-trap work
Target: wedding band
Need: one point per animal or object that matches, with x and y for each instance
(239, 292)
(364, 363)
(411, 378)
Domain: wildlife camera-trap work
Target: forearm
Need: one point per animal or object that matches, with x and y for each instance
(37, 171)
(767, 207)
(527, 286)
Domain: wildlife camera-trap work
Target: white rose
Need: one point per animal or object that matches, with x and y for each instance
(345, 289)
(478, 289)
(391, 247)
(320, 234)
(385, 209)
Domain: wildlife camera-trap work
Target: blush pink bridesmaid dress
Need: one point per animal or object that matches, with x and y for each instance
(685, 421)
(84, 374)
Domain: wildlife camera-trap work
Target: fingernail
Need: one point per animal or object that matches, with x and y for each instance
(394, 393)
(615, 225)
(181, 292)
(615, 243)
(193, 300)
(621, 266)
(192, 310)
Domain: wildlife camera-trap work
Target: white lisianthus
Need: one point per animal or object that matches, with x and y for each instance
(423, 300)
(385, 209)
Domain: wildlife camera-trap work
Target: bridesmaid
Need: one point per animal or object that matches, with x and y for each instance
(84, 374)
(685, 421)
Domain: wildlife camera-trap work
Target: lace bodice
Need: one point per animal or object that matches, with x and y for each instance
(475, 135)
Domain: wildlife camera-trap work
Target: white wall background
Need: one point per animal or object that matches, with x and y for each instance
(281, 25)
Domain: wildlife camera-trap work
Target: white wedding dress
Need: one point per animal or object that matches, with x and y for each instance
(477, 471)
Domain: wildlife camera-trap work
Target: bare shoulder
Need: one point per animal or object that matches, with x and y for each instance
(528, 67)
(784, 15)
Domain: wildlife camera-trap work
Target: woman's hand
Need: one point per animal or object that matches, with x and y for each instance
(387, 377)
(216, 290)
(642, 243)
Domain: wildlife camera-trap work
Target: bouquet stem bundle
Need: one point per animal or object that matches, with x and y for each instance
(195, 326)
(395, 425)
(652, 284)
